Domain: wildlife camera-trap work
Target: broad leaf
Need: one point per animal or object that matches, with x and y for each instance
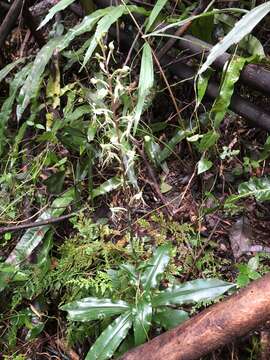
(201, 83)
(192, 292)
(146, 82)
(142, 320)
(257, 187)
(159, 5)
(8, 68)
(34, 236)
(204, 165)
(131, 272)
(169, 318)
(208, 140)
(61, 5)
(110, 338)
(9, 274)
(242, 28)
(152, 149)
(92, 308)
(86, 25)
(155, 267)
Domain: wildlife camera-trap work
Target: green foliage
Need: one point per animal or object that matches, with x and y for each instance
(149, 302)
(248, 272)
(159, 5)
(82, 116)
(259, 188)
(231, 76)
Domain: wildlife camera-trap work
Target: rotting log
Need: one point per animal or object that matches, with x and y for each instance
(214, 327)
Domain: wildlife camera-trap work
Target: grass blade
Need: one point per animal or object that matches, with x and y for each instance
(146, 82)
(154, 13)
(54, 10)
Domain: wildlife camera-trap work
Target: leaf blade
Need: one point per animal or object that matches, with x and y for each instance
(169, 318)
(61, 5)
(146, 81)
(156, 267)
(192, 291)
(92, 308)
(110, 338)
(159, 5)
(142, 321)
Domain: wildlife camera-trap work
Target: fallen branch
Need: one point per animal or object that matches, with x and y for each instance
(34, 224)
(10, 20)
(216, 326)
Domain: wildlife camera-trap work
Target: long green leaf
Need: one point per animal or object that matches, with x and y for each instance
(110, 338)
(192, 292)
(34, 236)
(169, 318)
(32, 83)
(242, 28)
(146, 82)
(8, 68)
(142, 320)
(7, 106)
(54, 10)
(92, 308)
(156, 267)
(86, 25)
(102, 28)
(159, 5)
(152, 149)
(232, 74)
